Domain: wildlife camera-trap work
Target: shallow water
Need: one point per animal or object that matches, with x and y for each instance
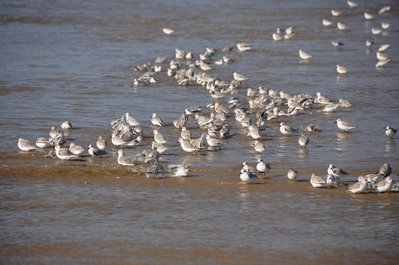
(74, 60)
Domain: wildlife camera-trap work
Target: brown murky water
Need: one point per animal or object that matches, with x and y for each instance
(74, 60)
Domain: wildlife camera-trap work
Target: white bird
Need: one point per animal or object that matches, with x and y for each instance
(101, 143)
(262, 167)
(326, 22)
(368, 16)
(337, 44)
(383, 47)
(116, 140)
(277, 37)
(94, 151)
(63, 153)
(382, 56)
(341, 69)
(317, 182)
(385, 25)
(124, 160)
(253, 131)
(158, 137)
(167, 31)
(131, 120)
(335, 13)
(384, 9)
(161, 148)
(331, 107)
(304, 55)
(187, 146)
(43, 142)
(25, 145)
(259, 147)
(243, 47)
(385, 170)
(384, 185)
(342, 26)
(358, 187)
(155, 120)
(185, 134)
(390, 132)
(76, 149)
(332, 181)
(351, 4)
(376, 31)
(303, 140)
(213, 142)
(247, 177)
(286, 129)
(66, 125)
(239, 77)
(292, 174)
(178, 170)
(336, 171)
(343, 125)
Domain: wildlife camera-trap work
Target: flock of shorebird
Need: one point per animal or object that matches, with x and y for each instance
(252, 113)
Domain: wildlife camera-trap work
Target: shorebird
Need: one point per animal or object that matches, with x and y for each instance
(94, 151)
(262, 167)
(66, 125)
(239, 77)
(187, 146)
(336, 171)
(317, 182)
(390, 132)
(341, 69)
(345, 126)
(303, 140)
(76, 149)
(63, 153)
(247, 177)
(243, 47)
(43, 142)
(158, 137)
(167, 31)
(286, 129)
(292, 174)
(304, 55)
(358, 187)
(25, 145)
(384, 185)
(124, 160)
(155, 120)
(259, 147)
(101, 143)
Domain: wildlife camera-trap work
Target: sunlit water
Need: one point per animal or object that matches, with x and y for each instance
(74, 60)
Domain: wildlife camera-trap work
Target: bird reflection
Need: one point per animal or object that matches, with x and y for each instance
(244, 196)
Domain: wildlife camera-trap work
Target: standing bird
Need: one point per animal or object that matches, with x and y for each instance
(336, 171)
(247, 177)
(101, 143)
(304, 55)
(76, 149)
(359, 186)
(390, 132)
(155, 120)
(25, 145)
(262, 167)
(66, 125)
(341, 69)
(303, 141)
(343, 125)
(94, 151)
(384, 185)
(187, 146)
(286, 129)
(292, 174)
(181, 122)
(124, 160)
(385, 170)
(158, 137)
(317, 182)
(63, 153)
(259, 147)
